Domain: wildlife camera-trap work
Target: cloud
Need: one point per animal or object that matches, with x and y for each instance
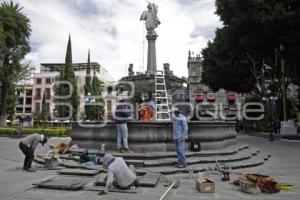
(113, 32)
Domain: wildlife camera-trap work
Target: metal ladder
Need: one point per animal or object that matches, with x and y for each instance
(162, 107)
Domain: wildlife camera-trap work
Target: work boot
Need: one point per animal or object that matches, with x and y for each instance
(179, 166)
(121, 150)
(129, 151)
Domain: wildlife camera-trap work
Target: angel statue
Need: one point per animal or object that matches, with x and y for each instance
(150, 16)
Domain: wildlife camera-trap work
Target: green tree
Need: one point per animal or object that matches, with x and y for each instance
(67, 74)
(93, 91)
(14, 45)
(252, 34)
(87, 86)
(220, 67)
(45, 109)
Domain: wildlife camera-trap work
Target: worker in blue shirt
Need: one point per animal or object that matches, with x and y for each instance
(180, 130)
(122, 116)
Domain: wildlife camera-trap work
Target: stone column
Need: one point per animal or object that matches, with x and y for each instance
(151, 57)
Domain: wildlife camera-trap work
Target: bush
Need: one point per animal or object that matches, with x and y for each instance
(51, 132)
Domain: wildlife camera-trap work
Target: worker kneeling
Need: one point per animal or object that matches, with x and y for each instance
(118, 173)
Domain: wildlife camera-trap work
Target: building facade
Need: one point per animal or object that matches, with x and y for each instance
(208, 103)
(23, 110)
(44, 82)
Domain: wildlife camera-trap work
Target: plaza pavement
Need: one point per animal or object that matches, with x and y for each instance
(284, 165)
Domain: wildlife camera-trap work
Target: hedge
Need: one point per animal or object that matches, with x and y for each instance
(51, 132)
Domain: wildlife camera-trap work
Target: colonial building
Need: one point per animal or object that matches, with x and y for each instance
(222, 102)
(23, 110)
(43, 82)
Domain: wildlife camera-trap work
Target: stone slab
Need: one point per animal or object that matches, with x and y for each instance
(63, 183)
(150, 179)
(78, 172)
(92, 187)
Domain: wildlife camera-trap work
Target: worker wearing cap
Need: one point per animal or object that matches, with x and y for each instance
(28, 146)
(180, 130)
(118, 173)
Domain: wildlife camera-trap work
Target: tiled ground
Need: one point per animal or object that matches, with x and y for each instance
(283, 165)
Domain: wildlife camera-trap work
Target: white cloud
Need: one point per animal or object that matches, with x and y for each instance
(113, 32)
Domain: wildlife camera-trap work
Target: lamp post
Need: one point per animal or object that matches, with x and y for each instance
(268, 98)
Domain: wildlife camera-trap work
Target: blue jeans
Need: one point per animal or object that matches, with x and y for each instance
(180, 146)
(122, 136)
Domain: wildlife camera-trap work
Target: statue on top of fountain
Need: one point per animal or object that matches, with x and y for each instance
(150, 16)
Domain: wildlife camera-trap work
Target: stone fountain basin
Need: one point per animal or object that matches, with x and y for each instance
(154, 136)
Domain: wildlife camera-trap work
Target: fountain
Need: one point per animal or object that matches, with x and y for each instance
(153, 136)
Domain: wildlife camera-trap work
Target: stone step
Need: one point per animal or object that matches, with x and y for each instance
(252, 162)
(233, 149)
(241, 155)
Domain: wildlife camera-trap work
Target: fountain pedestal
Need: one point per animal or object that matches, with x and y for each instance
(154, 136)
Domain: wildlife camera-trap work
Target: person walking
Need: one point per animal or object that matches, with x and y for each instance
(118, 173)
(180, 130)
(122, 116)
(28, 146)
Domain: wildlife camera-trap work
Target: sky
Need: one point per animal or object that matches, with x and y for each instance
(111, 29)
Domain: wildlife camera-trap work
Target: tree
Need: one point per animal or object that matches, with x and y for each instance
(87, 86)
(93, 112)
(14, 45)
(220, 68)
(67, 74)
(254, 31)
(45, 110)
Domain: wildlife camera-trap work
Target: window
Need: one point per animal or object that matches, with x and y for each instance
(27, 110)
(47, 93)
(37, 107)
(38, 81)
(28, 92)
(19, 110)
(48, 80)
(109, 106)
(28, 101)
(20, 101)
(38, 93)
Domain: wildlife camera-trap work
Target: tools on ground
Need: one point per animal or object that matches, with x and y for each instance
(175, 184)
(224, 169)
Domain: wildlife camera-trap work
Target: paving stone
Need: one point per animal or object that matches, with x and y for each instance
(150, 179)
(63, 183)
(283, 165)
(78, 172)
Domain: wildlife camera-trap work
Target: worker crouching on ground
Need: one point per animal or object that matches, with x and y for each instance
(28, 146)
(118, 173)
(180, 129)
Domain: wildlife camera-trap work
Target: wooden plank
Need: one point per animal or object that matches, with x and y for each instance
(150, 179)
(78, 172)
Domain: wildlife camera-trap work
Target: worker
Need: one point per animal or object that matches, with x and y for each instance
(28, 146)
(180, 129)
(118, 173)
(122, 116)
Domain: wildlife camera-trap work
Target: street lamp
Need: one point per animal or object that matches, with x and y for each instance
(268, 98)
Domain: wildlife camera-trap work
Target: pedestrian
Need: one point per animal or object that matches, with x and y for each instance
(180, 130)
(122, 116)
(118, 173)
(28, 146)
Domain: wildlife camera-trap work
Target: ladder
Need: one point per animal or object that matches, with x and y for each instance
(162, 107)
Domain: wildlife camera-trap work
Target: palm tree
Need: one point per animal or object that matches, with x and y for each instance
(14, 33)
